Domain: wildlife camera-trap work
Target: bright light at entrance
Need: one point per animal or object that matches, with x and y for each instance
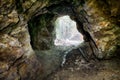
(66, 32)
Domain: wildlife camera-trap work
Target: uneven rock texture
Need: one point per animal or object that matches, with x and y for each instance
(17, 59)
(76, 68)
(105, 19)
(26, 27)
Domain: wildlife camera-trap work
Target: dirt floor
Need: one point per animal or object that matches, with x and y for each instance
(75, 68)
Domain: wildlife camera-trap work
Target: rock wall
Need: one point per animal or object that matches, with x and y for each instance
(17, 58)
(105, 20)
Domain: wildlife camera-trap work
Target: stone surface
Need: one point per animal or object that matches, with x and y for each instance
(8, 20)
(105, 25)
(76, 68)
(13, 62)
(17, 59)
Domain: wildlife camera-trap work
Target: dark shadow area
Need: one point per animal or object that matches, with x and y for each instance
(40, 29)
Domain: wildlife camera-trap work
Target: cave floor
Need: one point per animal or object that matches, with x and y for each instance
(75, 68)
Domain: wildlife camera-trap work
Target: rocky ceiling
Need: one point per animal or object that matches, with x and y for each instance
(26, 32)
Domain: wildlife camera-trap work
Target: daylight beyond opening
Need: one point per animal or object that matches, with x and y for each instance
(66, 32)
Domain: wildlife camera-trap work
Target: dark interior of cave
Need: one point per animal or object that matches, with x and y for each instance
(41, 28)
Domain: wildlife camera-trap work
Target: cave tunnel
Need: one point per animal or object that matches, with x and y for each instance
(47, 33)
(59, 40)
(58, 33)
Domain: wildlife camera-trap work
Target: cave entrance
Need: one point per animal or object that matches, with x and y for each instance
(66, 32)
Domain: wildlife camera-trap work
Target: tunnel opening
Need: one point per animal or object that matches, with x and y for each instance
(66, 32)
